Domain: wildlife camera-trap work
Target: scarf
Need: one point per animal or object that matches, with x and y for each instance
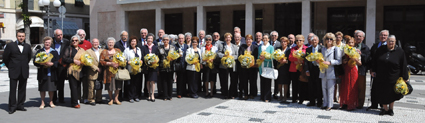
(208, 47)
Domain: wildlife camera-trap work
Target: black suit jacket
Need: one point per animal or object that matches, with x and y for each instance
(155, 42)
(242, 48)
(364, 59)
(283, 70)
(309, 66)
(64, 45)
(17, 62)
(181, 60)
(120, 45)
(42, 72)
(145, 51)
(373, 50)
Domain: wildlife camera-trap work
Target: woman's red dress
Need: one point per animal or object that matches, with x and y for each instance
(349, 88)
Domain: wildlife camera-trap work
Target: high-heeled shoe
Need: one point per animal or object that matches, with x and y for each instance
(153, 100)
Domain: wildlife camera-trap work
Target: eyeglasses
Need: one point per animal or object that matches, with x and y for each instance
(329, 39)
(274, 35)
(81, 34)
(299, 40)
(74, 40)
(208, 40)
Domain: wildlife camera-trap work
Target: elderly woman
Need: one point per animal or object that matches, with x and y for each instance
(151, 74)
(166, 73)
(340, 44)
(332, 56)
(248, 75)
(388, 65)
(283, 78)
(72, 58)
(348, 91)
(193, 77)
(109, 79)
(209, 75)
(266, 94)
(46, 72)
(188, 38)
(293, 72)
(224, 72)
(131, 53)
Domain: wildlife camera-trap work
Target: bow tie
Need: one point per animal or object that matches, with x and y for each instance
(21, 44)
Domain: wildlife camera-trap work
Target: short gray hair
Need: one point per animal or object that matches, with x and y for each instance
(76, 36)
(359, 31)
(382, 31)
(180, 35)
(277, 34)
(188, 34)
(201, 31)
(391, 36)
(260, 33)
(166, 36)
(150, 34)
(110, 39)
(123, 32)
(237, 28)
(56, 31)
(208, 36)
(314, 36)
(81, 30)
(144, 29)
(237, 34)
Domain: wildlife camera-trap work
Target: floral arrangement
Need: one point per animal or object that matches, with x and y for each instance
(208, 57)
(401, 87)
(42, 57)
(319, 58)
(352, 53)
(193, 59)
(246, 60)
(120, 59)
(266, 55)
(227, 60)
(172, 55)
(135, 64)
(86, 59)
(151, 60)
(278, 55)
(299, 54)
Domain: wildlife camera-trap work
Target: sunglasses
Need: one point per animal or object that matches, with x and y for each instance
(329, 39)
(74, 40)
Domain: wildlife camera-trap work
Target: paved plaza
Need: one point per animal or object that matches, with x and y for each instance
(185, 110)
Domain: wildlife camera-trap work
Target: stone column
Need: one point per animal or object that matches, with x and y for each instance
(159, 20)
(370, 22)
(249, 19)
(121, 19)
(200, 19)
(305, 19)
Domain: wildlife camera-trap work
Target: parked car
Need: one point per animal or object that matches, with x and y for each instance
(36, 47)
(3, 43)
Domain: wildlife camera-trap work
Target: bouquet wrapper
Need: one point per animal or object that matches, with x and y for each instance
(266, 55)
(172, 55)
(246, 60)
(352, 53)
(193, 59)
(299, 55)
(227, 60)
(279, 55)
(208, 56)
(135, 65)
(401, 87)
(317, 57)
(86, 59)
(152, 60)
(43, 55)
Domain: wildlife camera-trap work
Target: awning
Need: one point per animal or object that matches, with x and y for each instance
(69, 28)
(35, 22)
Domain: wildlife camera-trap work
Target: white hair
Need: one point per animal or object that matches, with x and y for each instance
(188, 34)
(392, 36)
(237, 34)
(201, 31)
(359, 31)
(260, 33)
(84, 32)
(277, 34)
(180, 35)
(208, 36)
(144, 29)
(110, 39)
(237, 28)
(382, 31)
(122, 32)
(56, 31)
(166, 36)
(76, 36)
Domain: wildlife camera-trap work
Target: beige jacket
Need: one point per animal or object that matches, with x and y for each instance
(93, 73)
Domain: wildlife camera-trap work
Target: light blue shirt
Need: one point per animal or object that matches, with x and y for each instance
(58, 47)
(49, 72)
(380, 44)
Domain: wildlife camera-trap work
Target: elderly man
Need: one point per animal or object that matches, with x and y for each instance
(383, 37)
(258, 39)
(309, 39)
(94, 74)
(122, 44)
(83, 43)
(201, 36)
(60, 44)
(16, 56)
(216, 39)
(313, 71)
(273, 38)
(237, 30)
(291, 38)
(237, 39)
(143, 34)
(158, 41)
(181, 64)
(364, 52)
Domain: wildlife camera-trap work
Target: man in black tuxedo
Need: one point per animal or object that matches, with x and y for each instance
(60, 44)
(181, 71)
(122, 45)
(313, 71)
(16, 57)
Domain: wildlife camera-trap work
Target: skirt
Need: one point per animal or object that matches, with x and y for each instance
(114, 85)
(46, 85)
(209, 75)
(152, 75)
(385, 93)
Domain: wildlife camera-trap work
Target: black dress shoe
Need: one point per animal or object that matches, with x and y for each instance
(382, 112)
(294, 101)
(390, 112)
(284, 102)
(153, 100)
(323, 107)
(343, 107)
(319, 105)
(275, 96)
(360, 107)
(311, 104)
(21, 109)
(12, 111)
(328, 109)
(301, 102)
(93, 104)
(371, 107)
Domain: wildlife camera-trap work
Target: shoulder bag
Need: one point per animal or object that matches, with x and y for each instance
(269, 73)
(122, 75)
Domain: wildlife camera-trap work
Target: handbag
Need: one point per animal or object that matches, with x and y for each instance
(269, 73)
(122, 75)
(98, 85)
(409, 86)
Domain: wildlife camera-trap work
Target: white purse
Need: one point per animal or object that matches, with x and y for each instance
(269, 73)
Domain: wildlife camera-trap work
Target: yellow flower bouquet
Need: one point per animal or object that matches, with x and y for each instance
(208, 56)
(172, 55)
(193, 59)
(352, 53)
(317, 57)
(299, 54)
(86, 59)
(401, 87)
(265, 54)
(42, 57)
(278, 55)
(227, 60)
(135, 65)
(120, 59)
(151, 60)
(246, 60)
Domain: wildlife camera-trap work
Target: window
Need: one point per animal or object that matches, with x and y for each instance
(173, 23)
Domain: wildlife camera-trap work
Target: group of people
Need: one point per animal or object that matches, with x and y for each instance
(310, 82)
